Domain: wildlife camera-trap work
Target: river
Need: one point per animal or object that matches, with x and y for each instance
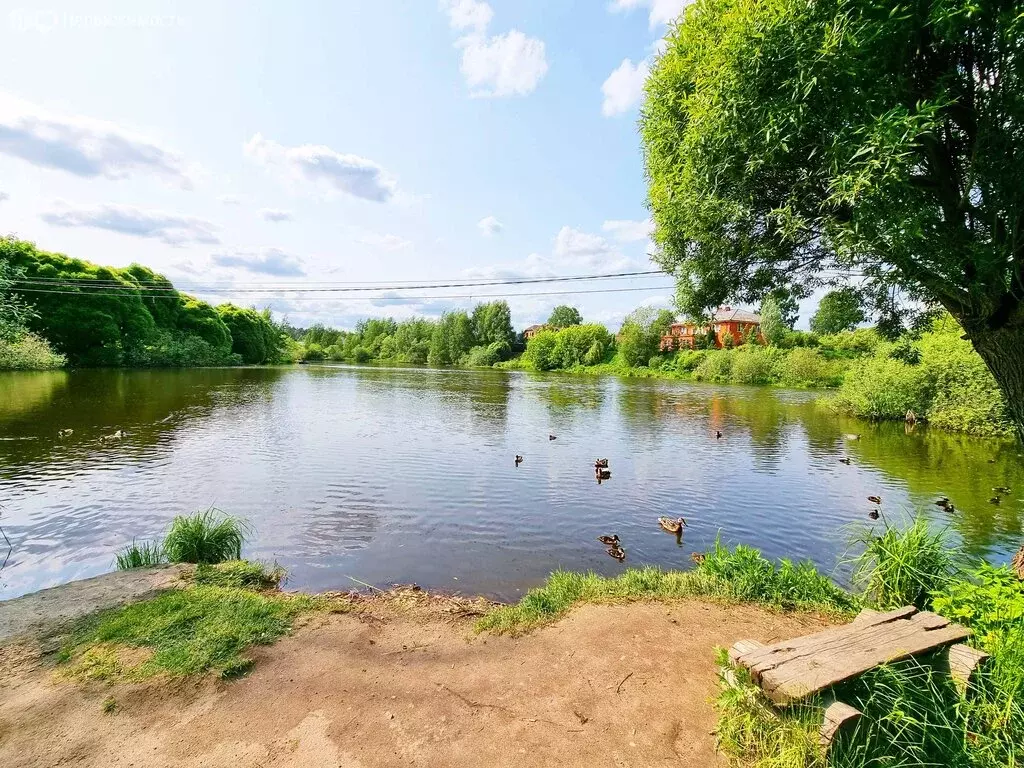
(392, 475)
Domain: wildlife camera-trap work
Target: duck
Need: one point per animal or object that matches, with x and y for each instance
(672, 526)
(991, 461)
(120, 434)
(552, 437)
(1001, 489)
(874, 514)
(65, 433)
(602, 474)
(698, 557)
(718, 434)
(943, 502)
(519, 459)
(609, 541)
(617, 552)
(601, 463)
(1017, 563)
(994, 500)
(852, 436)
(875, 499)
(845, 461)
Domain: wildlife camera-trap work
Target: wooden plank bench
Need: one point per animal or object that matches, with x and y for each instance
(792, 670)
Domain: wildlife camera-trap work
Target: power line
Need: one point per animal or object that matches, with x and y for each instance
(115, 285)
(389, 298)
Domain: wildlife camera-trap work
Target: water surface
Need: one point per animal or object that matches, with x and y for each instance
(394, 476)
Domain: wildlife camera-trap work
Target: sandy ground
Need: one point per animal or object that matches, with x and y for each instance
(627, 685)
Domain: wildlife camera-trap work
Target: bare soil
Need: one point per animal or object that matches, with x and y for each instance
(408, 684)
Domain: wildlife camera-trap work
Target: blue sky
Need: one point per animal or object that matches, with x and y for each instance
(369, 140)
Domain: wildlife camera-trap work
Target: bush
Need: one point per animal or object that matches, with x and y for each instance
(482, 357)
(205, 537)
(804, 367)
(860, 341)
(687, 360)
(540, 351)
(595, 355)
(361, 355)
(799, 339)
(173, 349)
(990, 602)
(312, 353)
(883, 388)
(28, 352)
(716, 366)
(753, 365)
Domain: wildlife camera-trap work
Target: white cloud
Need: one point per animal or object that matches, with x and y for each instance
(573, 251)
(661, 11)
(265, 261)
(83, 146)
(275, 214)
(626, 231)
(468, 14)
(489, 226)
(385, 242)
(170, 228)
(624, 87)
(511, 64)
(229, 200)
(315, 163)
(4, 196)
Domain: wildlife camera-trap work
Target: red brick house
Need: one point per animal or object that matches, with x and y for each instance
(533, 330)
(726, 321)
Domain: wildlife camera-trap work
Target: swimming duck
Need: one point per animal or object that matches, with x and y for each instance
(718, 435)
(994, 500)
(617, 552)
(116, 436)
(875, 499)
(698, 557)
(65, 433)
(601, 463)
(552, 437)
(943, 502)
(603, 474)
(874, 514)
(1000, 489)
(519, 459)
(1017, 563)
(852, 437)
(609, 541)
(672, 526)
(845, 461)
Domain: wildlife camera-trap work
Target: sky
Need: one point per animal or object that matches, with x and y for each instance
(322, 143)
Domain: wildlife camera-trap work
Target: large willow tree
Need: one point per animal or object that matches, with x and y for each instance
(792, 143)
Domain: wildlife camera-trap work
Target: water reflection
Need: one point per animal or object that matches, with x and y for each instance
(370, 472)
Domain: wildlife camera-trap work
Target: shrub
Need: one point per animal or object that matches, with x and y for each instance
(804, 367)
(883, 388)
(140, 555)
(482, 357)
(595, 354)
(540, 351)
(716, 366)
(312, 352)
(28, 352)
(753, 365)
(860, 341)
(205, 537)
(689, 359)
(990, 602)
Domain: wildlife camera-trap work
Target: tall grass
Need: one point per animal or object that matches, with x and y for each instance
(140, 555)
(205, 537)
(902, 566)
(737, 575)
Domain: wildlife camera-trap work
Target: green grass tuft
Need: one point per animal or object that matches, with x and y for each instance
(239, 574)
(140, 555)
(188, 631)
(739, 575)
(902, 566)
(109, 705)
(205, 537)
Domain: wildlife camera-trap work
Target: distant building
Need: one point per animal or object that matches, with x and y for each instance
(726, 321)
(533, 330)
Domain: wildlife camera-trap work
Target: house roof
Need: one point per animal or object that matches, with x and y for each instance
(538, 327)
(726, 314)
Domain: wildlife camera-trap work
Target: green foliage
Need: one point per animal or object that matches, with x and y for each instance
(568, 347)
(205, 537)
(716, 366)
(114, 316)
(990, 602)
(189, 631)
(734, 575)
(804, 367)
(883, 388)
(861, 341)
(563, 316)
(772, 326)
(361, 355)
(238, 574)
(902, 566)
(492, 325)
(15, 312)
(753, 365)
(140, 555)
(312, 353)
(783, 139)
(839, 310)
(451, 339)
(254, 337)
(28, 352)
(640, 336)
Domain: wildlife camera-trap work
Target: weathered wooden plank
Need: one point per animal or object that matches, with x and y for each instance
(741, 647)
(838, 717)
(866, 615)
(797, 668)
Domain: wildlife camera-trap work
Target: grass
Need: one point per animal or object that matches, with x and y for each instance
(739, 575)
(902, 566)
(204, 538)
(140, 555)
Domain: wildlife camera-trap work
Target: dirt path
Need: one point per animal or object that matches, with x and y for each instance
(622, 685)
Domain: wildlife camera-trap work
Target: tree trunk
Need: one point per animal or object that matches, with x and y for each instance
(1003, 353)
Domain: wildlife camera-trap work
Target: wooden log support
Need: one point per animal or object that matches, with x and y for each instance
(726, 671)
(964, 663)
(839, 718)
